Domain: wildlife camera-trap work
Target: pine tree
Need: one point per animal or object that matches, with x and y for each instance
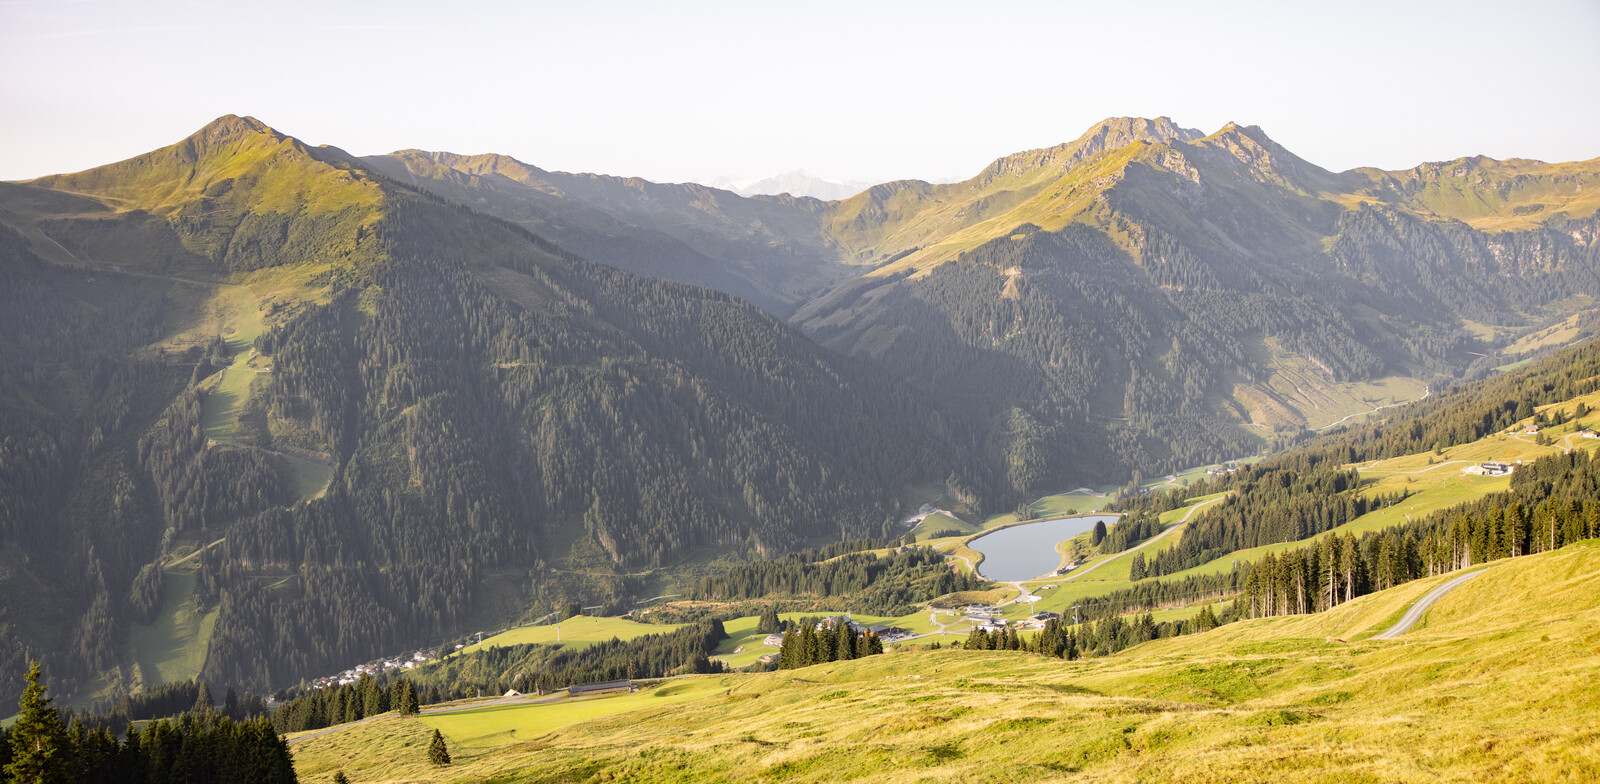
(770, 624)
(844, 645)
(230, 705)
(1099, 533)
(340, 778)
(438, 754)
(1136, 568)
(39, 753)
(202, 701)
(404, 697)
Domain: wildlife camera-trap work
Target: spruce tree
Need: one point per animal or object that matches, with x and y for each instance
(39, 753)
(340, 778)
(202, 701)
(1099, 533)
(438, 754)
(844, 642)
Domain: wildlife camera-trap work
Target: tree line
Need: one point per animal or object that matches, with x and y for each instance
(200, 747)
(891, 584)
(815, 641)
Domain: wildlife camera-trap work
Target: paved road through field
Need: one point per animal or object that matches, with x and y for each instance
(1415, 613)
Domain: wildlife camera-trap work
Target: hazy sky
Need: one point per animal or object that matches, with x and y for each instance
(855, 90)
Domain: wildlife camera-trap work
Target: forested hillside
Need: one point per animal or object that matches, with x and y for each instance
(365, 402)
(1143, 298)
(770, 250)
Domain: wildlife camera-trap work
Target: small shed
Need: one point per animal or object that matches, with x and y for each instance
(626, 684)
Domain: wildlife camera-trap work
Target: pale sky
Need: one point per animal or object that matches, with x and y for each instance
(848, 90)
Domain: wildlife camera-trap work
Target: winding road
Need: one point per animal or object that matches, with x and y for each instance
(1417, 610)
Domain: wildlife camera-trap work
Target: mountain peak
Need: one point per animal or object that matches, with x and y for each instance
(228, 129)
(1109, 134)
(1114, 132)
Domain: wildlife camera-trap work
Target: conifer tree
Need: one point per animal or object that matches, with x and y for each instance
(39, 753)
(438, 754)
(874, 645)
(770, 624)
(844, 643)
(202, 701)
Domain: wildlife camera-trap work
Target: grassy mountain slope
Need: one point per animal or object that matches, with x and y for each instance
(1494, 684)
(1170, 298)
(382, 409)
(1147, 294)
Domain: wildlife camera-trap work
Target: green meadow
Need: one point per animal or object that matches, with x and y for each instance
(1495, 684)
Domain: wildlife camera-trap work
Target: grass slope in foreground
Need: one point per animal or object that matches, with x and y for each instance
(1495, 684)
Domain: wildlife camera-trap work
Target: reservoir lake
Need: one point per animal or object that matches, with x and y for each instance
(1024, 552)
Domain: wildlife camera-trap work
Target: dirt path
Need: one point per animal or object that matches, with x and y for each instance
(1425, 392)
(1417, 610)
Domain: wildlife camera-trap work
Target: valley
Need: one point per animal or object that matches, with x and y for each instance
(294, 412)
(1315, 696)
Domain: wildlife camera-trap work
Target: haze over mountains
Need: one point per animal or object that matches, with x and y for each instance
(794, 183)
(388, 391)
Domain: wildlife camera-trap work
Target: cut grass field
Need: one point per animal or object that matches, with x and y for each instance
(236, 312)
(576, 633)
(1495, 684)
(174, 646)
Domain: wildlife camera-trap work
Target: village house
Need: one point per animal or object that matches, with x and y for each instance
(773, 640)
(1588, 434)
(1490, 468)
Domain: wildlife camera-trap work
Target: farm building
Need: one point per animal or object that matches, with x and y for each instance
(626, 684)
(1490, 468)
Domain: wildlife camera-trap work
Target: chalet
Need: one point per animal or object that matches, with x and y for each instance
(1531, 430)
(626, 684)
(1588, 434)
(888, 632)
(1490, 468)
(1044, 616)
(833, 621)
(773, 640)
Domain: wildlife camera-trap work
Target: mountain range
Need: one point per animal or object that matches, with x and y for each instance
(795, 183)
(287, 407)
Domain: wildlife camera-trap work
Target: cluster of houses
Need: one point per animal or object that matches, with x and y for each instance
(985, 618)
(885, 633)
(373, 668)
(1223, 470)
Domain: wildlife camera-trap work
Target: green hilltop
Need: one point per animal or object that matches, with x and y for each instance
(266, 396)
